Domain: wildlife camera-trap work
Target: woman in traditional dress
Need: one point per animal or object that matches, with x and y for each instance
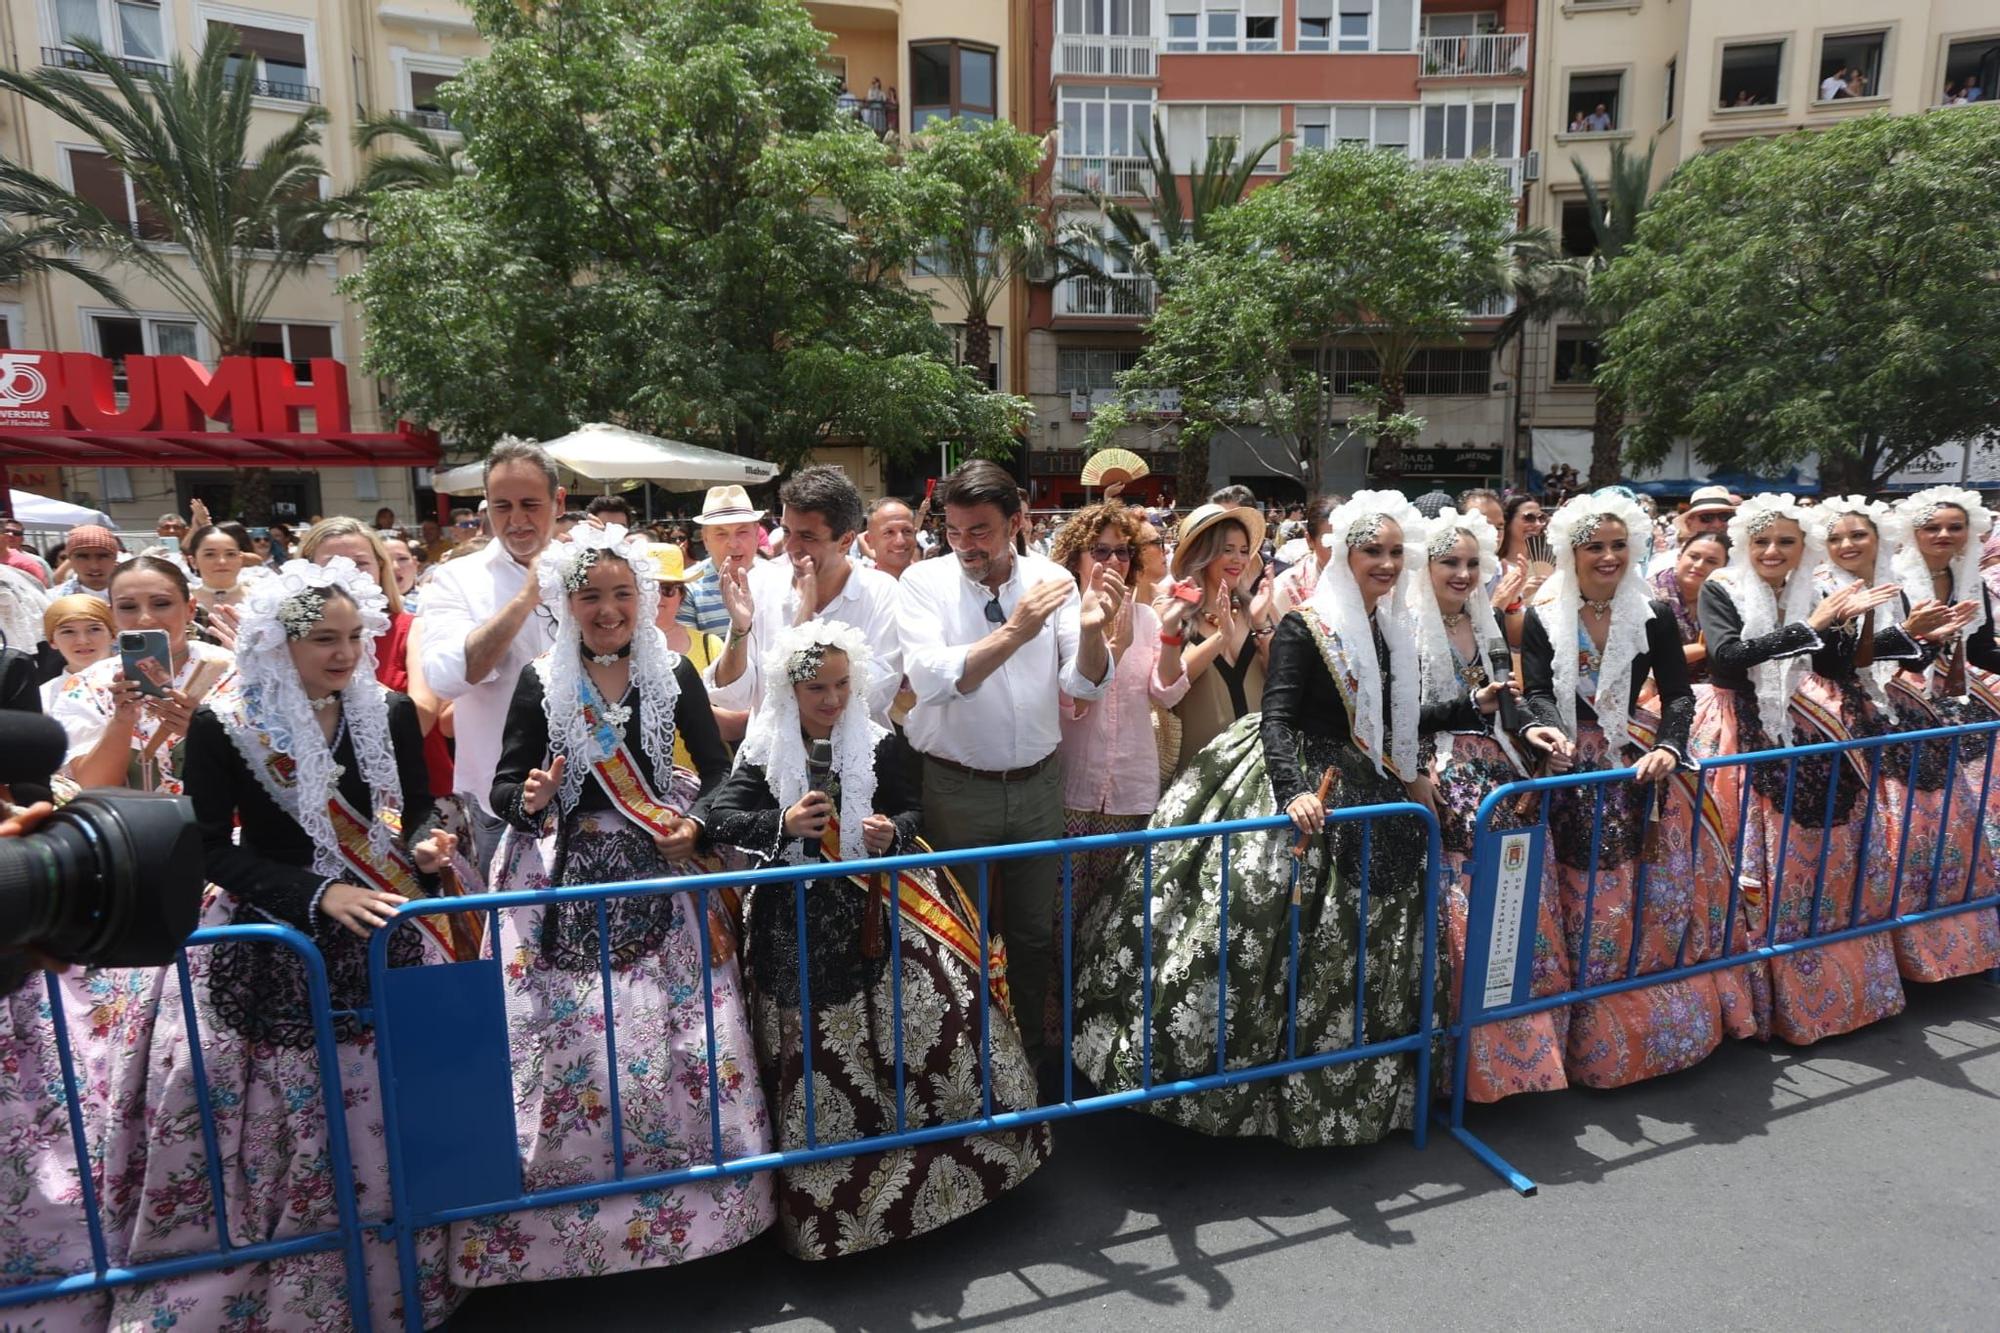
(1781, 662)
(587, 782)
(1225, 676)
(772, 809)
(215, 552)
(1588, 649)
(1456, 637)
(1678, 588)
(322, 770)
(1953, 844)
(79, 627)
(1343, 696)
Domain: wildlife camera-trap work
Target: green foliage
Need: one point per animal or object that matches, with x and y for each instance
(669, 226)
(1829, 293)
(227, 219)
(1213, 185)
(1355, 246)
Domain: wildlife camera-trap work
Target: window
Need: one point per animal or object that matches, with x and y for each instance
(1105, 18)
(1750, 74)
(1673, 80)
(92, 175)
(1369, 126)
(1971, 70)
(1082, 369)
(1596, 103)
(1851, 65)
(296, 343)
(274, 60)
(935, 262)
(1579, 238)
(1455, 131)
(1356, 18)
(127, 28)
(1190, 130)
(120, 336)
(1315, 25)
(1577, 352)
(951, 79)
(989, 374)
(11, 318)
(1105, 132)
(424, 108)
(1433, 371)
(1222, 25)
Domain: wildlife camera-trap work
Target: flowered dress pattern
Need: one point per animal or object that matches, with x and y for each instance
(1357, 1102)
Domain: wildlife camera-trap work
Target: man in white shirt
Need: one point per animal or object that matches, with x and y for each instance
(991, 641)
(817, 581)
(1833, 85)
(483, 621)
(891, 539)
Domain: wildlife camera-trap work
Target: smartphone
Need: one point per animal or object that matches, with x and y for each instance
(1187, 590)
(146, 659)
(259, 533)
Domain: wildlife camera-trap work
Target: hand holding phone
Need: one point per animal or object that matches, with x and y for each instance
(147, 660)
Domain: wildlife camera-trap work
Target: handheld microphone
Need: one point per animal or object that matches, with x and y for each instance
(819, 766)
(1500, 668)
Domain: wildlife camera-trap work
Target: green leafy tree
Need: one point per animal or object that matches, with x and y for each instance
(1616, 211)
(222, 219)
(670, 227)
(1355, 246)
(1830, 294)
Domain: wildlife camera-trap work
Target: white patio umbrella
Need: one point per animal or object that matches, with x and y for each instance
(609, 454)
(39, 511)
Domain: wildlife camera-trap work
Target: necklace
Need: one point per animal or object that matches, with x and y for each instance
(1452, 619)
(607, 659)
(1602, 608)
(321, 705)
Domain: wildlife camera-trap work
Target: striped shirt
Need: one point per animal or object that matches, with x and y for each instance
(702, 606)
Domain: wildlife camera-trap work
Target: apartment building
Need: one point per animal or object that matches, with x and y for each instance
(1686, 76)
(349, 58)
(1440, 80)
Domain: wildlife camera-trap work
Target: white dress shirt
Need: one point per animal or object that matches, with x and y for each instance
(866, 601)
(1012, 718)
(464, 594)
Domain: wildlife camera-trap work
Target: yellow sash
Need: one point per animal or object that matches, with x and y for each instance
(459, 934)
(622, 779)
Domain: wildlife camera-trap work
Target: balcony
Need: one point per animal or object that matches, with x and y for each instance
(436, 121)
(1497, 306)
(1118, 296)
(63, 57)
(283, 92)
(1490, 55)
(1508, 168)
(1107, 57)
(1115, 177)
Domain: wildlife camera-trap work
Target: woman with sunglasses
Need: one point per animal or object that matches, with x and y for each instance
(1525, 562)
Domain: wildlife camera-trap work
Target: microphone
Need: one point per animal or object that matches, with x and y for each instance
(819, 766)
(1500, 668)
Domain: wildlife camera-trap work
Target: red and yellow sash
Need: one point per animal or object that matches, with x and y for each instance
(622, 779)
(458, 934)
(1645, 733)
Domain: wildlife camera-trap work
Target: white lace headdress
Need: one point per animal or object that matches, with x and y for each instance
(1908, 561)
(1561, 606)
(1890, 533)
(271, 699)
(1440, 664)
(1337, 599)
(774, 740)
(1765, 611)
(565, 567)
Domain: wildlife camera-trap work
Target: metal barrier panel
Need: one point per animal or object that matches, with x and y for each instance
(1509, 872)
(107, 1272)
(416, 1071)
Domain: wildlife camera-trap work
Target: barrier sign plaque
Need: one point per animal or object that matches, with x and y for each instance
(1501, 935)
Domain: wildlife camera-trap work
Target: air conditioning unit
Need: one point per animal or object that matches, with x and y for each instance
(1531, 166)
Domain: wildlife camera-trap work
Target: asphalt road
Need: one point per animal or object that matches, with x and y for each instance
(1855, 1184)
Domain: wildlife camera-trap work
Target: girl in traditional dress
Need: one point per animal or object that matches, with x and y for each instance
(587, 783)
(79, 627)
(1942, 532)
(322, 770)
(1781, 662)
(771, 809)
(1678, 588)
(1457, 633)
(1588, 649)
(1343, 695)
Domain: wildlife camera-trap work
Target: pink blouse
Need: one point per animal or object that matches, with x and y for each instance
(1110, 762)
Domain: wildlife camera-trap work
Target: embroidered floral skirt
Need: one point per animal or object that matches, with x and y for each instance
(109, 1013)
(1953, 845)
(278, 1180)
(1522, 1054)
(1358, 1102)
(1831, 864)
(844, 1205)
(1645, 891)
(556, 1023)
(1090, 874)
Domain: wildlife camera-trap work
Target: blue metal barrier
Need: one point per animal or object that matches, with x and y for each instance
(480, 1175)
(1502, 928)
(231, 1251)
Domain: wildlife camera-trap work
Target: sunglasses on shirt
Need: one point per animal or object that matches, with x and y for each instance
(995, 615)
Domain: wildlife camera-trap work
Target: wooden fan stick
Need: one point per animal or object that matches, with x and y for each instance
(1325, 790)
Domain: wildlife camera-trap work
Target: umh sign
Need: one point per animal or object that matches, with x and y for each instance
(76, 391)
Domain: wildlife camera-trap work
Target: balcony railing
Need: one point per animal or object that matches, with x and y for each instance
(1119, 296)
(284, 92)
(1484, 56)
(428, 120)
(1507, 167)
(1118, 177)
(1107, 57)
(63, 57)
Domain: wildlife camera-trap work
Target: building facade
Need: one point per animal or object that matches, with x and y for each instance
(1440, 80)
(1681, 77)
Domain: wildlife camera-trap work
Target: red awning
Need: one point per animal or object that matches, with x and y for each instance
(406, 447)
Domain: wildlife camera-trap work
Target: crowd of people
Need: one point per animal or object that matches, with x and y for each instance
(363, 716)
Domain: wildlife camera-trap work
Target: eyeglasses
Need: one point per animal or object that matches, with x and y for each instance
(995, 615)
(466, 523)
(1103, 554)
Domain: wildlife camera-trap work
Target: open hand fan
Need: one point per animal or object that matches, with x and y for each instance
(1109, 466)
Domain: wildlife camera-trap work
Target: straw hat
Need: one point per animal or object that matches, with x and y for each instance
(669, 564)
(1206, 517)
(1709, 499)
(727, 504)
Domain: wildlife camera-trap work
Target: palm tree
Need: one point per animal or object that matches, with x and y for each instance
(431, 163)
(43, 247)
(220, 223)
(1615, 213)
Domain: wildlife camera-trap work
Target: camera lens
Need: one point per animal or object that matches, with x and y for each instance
(113, 879)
